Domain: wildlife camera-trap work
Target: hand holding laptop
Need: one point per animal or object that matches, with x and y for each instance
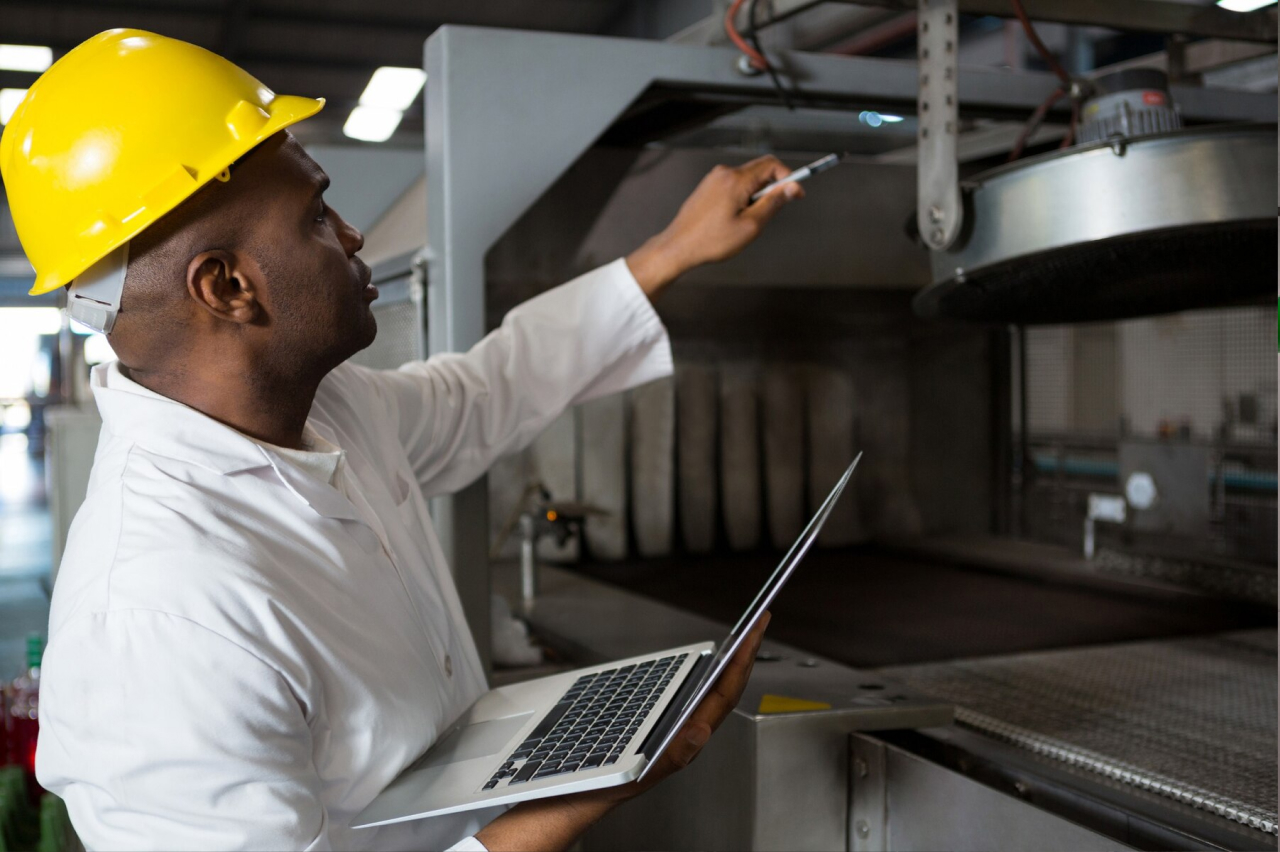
(570, 746)
(556, 823)
(713, 710)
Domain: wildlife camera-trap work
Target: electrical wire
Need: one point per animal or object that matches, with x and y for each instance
(1033, 123)
(768, 66)
(1069, 88)
(752, 50)
(1045, 53)
(731, 29)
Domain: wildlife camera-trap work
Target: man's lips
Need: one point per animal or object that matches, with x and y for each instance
(369, 291)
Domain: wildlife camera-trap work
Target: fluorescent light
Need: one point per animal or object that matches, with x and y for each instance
(871, 118)
(9, 100)
(25, 57)
(1244, 5)
(31, 321)
(372, 124)
(393, 88)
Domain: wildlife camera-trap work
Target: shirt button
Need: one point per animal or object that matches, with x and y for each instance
(448, 665)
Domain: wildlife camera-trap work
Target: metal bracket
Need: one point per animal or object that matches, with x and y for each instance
(867, 804)
(939, 213)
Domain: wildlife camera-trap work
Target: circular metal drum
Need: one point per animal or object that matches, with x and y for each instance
(1115, 229)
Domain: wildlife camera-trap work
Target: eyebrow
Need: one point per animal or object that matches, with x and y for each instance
(321, 185)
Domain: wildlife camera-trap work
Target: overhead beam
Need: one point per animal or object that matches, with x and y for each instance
(1149, 16)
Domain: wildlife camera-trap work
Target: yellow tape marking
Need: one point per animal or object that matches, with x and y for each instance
(783, 704)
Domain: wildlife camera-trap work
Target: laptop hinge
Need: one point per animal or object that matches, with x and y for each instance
(671, 712)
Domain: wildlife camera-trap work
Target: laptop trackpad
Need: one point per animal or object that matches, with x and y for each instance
(472, 741)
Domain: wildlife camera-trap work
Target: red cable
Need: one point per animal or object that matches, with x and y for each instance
(757, 60)
(1060, 72)
(1036, 118)
(1048, 57)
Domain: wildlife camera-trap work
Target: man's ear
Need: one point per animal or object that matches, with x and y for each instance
(227, 285)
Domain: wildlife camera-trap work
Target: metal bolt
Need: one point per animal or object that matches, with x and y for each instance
(1022, 788)
(960, 276)
(935, 214)
(860, 767)
(937, 236)
(864, 830)
(745, 68)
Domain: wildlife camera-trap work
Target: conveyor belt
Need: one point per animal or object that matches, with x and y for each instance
(1190, 719)
(866, 607)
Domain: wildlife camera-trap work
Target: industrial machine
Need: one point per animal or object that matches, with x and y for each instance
(1065, 354)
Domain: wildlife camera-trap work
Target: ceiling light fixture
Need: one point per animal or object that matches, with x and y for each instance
(871, 118)
(372, 124)
(393, 88)
(9, 100)
(25, 57)
(1244, 5)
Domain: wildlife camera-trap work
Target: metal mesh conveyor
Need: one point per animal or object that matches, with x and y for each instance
(1190, 719)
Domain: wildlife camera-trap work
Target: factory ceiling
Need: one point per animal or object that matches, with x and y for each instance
(319, 48)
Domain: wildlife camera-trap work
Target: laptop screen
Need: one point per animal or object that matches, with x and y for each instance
(727, 648)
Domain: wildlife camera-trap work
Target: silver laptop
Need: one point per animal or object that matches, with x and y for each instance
(580, 730)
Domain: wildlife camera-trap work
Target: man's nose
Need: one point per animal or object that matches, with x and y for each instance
(350, 237)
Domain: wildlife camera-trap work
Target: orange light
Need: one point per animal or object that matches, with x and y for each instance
(551, 515)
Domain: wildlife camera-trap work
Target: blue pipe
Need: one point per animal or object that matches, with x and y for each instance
(1110, 470)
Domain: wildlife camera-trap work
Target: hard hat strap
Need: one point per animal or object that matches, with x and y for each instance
(94, 296)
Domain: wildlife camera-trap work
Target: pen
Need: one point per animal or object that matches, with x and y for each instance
(801, 173)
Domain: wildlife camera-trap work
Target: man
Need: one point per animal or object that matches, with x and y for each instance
(254, 629)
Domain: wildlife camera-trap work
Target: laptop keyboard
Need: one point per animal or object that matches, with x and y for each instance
(591, 724)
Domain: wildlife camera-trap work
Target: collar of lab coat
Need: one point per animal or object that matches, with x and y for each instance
(173, 430)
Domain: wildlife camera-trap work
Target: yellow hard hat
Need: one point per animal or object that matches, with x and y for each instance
(119, 132)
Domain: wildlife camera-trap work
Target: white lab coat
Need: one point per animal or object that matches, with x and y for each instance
(241, 657)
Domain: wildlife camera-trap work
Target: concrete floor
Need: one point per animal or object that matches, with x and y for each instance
(25, 552)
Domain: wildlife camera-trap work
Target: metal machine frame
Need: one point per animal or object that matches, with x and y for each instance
(488, 87)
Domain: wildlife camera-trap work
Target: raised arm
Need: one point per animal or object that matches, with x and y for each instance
(596, 335)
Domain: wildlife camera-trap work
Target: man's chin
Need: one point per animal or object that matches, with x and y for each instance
(358, 337)
(368, 331)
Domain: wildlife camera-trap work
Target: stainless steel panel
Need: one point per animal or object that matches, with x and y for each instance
(867, 795)
(929, 807)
